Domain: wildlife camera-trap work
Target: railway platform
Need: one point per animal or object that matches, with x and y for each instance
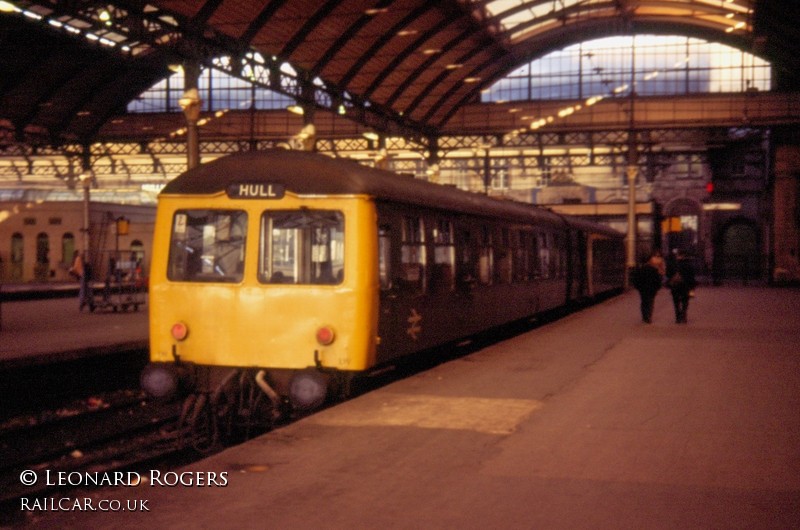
(592, 421)
(44, 331)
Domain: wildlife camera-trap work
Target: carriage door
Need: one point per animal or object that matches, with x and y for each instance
(402, 262)
(577, 271)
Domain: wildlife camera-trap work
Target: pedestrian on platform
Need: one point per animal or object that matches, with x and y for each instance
(657, 260)
(647, 279)
(82, 270)
(681, 281)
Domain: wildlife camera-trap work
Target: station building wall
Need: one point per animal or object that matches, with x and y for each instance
(38, 239)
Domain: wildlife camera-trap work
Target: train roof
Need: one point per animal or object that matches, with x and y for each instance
(306, 173)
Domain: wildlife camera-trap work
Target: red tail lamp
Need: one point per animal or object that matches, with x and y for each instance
(179, 331)
(325, 335)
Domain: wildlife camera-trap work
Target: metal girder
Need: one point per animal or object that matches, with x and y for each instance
(351, 31)
(308, 27)
(189, 39)
(205, 30)
(260, 20)
(365, 57)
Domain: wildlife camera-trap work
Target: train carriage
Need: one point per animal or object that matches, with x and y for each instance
(304, 270)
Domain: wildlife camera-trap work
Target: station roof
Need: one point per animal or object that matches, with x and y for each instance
(405, 66)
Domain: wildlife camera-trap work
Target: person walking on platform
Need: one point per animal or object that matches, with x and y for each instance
(681, 281)
(82, 270)
(657, 260)
(647, 280)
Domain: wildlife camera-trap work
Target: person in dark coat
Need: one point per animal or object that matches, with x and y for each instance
(681, 281)
(647, 280)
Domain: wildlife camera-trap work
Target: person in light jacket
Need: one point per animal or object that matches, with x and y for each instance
(82, 270)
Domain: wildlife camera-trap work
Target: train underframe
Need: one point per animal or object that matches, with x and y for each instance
(225, 404)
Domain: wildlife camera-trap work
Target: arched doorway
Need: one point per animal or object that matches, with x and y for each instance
(41, 269)
(67, 249)
(17, 257)
(741, 259)
(681, 230)
(137, 250)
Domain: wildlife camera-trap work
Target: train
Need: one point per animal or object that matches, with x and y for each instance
(278, 276)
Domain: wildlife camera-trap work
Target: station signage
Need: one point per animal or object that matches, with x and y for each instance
(256, 190)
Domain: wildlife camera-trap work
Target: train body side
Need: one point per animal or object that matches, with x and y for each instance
(459, 274)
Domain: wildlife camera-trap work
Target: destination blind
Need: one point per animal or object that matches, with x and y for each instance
(257, 190)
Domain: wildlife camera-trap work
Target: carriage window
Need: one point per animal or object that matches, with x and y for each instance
(558, 261)
(444, 256)
(520, 266)
(532, 262)
(544, 254)
(302, 247)
(467, 260)
(412, 255)
(502, 257)
(385, 257)
(207, 246)
(485, 260)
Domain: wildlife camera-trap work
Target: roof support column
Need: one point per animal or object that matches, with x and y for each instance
(632, 169)
(309, 109)
(190, 102)
(86, 180)
(434, 171)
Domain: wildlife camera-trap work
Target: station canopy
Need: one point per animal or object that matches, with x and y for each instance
(402, 66)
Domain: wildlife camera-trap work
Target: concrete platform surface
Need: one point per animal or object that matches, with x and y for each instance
(37, 332)
(594, 421)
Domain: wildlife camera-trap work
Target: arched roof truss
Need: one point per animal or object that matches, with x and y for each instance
(402, 66)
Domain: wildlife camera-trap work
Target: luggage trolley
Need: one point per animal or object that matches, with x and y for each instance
(124, 281)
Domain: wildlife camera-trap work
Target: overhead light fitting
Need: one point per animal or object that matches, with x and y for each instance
(370, 135)
(189, 98)
(296, 109)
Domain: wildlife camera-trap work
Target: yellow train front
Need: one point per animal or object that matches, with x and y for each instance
(249, 273)
(276, 276)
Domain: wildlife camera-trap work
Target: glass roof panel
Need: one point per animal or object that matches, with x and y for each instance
(521, 18)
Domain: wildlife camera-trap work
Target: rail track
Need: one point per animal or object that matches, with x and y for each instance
(105, 432)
